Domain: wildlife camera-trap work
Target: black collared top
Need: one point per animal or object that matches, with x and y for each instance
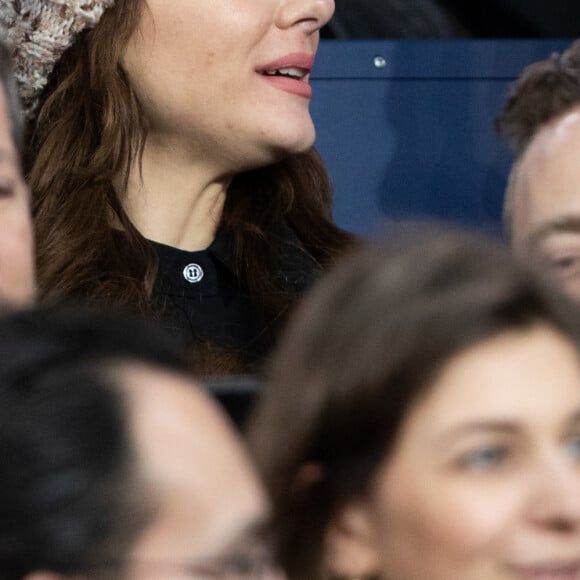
(202, 300)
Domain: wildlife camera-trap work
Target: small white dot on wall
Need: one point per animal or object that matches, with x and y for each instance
(380, 62)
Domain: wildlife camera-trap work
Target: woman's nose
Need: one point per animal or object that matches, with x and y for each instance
(311, 15)
(555, 502)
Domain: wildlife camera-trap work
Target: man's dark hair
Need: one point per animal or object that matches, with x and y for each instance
(12, 100)
(544, 91)
(71, 499)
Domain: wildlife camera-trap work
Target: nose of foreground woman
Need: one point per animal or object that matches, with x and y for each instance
(310, 15)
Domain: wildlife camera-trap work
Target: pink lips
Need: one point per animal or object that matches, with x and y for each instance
(550, 571)
(300, 87)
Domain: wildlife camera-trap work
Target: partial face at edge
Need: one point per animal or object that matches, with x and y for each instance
(546, 203)
(210, 504)
(17, 277)
(484, 481)
(198, 68)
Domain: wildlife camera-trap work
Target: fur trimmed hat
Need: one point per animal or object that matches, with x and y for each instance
(38, 32)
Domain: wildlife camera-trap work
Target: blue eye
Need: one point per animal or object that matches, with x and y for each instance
(573, 447)
(484, 459)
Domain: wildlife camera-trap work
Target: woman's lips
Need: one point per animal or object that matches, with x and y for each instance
(298, 62)
(548, 571)
(301, 60)
(290, 85)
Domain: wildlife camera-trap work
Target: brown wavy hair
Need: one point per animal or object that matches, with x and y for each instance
(88, 130)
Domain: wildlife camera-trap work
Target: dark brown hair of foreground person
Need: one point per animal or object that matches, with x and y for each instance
(362, 349)
(88, 129)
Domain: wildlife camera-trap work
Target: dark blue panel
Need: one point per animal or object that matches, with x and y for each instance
(415, 137)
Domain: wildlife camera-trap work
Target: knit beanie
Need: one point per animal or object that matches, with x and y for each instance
(38, 32)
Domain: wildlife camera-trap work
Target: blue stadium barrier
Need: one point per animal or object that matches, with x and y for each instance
(406, 127)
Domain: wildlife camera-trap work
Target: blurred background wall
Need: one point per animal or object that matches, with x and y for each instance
(455, 18)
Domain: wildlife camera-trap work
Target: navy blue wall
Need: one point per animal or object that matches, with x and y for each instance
(406, 127)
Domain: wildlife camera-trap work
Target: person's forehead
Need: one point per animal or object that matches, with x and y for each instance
(193, 462)
(174, 408)
(473, 385)
(548, 184)
(183, 435)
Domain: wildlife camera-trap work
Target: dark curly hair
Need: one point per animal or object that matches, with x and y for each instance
(545, 90)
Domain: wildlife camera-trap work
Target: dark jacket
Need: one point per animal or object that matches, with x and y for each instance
(201, 297)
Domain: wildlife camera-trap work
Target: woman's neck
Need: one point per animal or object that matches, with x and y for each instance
(174, 200)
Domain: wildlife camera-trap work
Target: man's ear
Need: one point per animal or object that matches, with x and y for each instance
(350, 544)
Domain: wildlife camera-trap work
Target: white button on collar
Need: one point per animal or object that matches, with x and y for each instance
(193, 273)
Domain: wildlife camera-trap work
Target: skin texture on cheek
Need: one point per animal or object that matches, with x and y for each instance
(16, 259)
(17, 278)
(444, 523)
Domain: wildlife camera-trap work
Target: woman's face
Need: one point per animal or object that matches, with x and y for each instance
(484, 481)
(17, 279)
(202, 72)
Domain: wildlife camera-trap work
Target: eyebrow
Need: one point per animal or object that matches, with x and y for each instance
(490, 426)
(561, 224)
(493, 426)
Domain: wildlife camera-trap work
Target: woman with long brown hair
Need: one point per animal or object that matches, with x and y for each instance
(170, 161)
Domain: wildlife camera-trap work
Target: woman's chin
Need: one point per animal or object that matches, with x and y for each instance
(274, 154)
(291, 140)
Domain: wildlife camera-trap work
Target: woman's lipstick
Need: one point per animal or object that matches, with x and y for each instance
(549, 571)
(290, 73)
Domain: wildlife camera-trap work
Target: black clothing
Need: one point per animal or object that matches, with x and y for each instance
(202, 299)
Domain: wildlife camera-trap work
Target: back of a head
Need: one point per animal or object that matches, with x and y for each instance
(361, 350)
(70, 497)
